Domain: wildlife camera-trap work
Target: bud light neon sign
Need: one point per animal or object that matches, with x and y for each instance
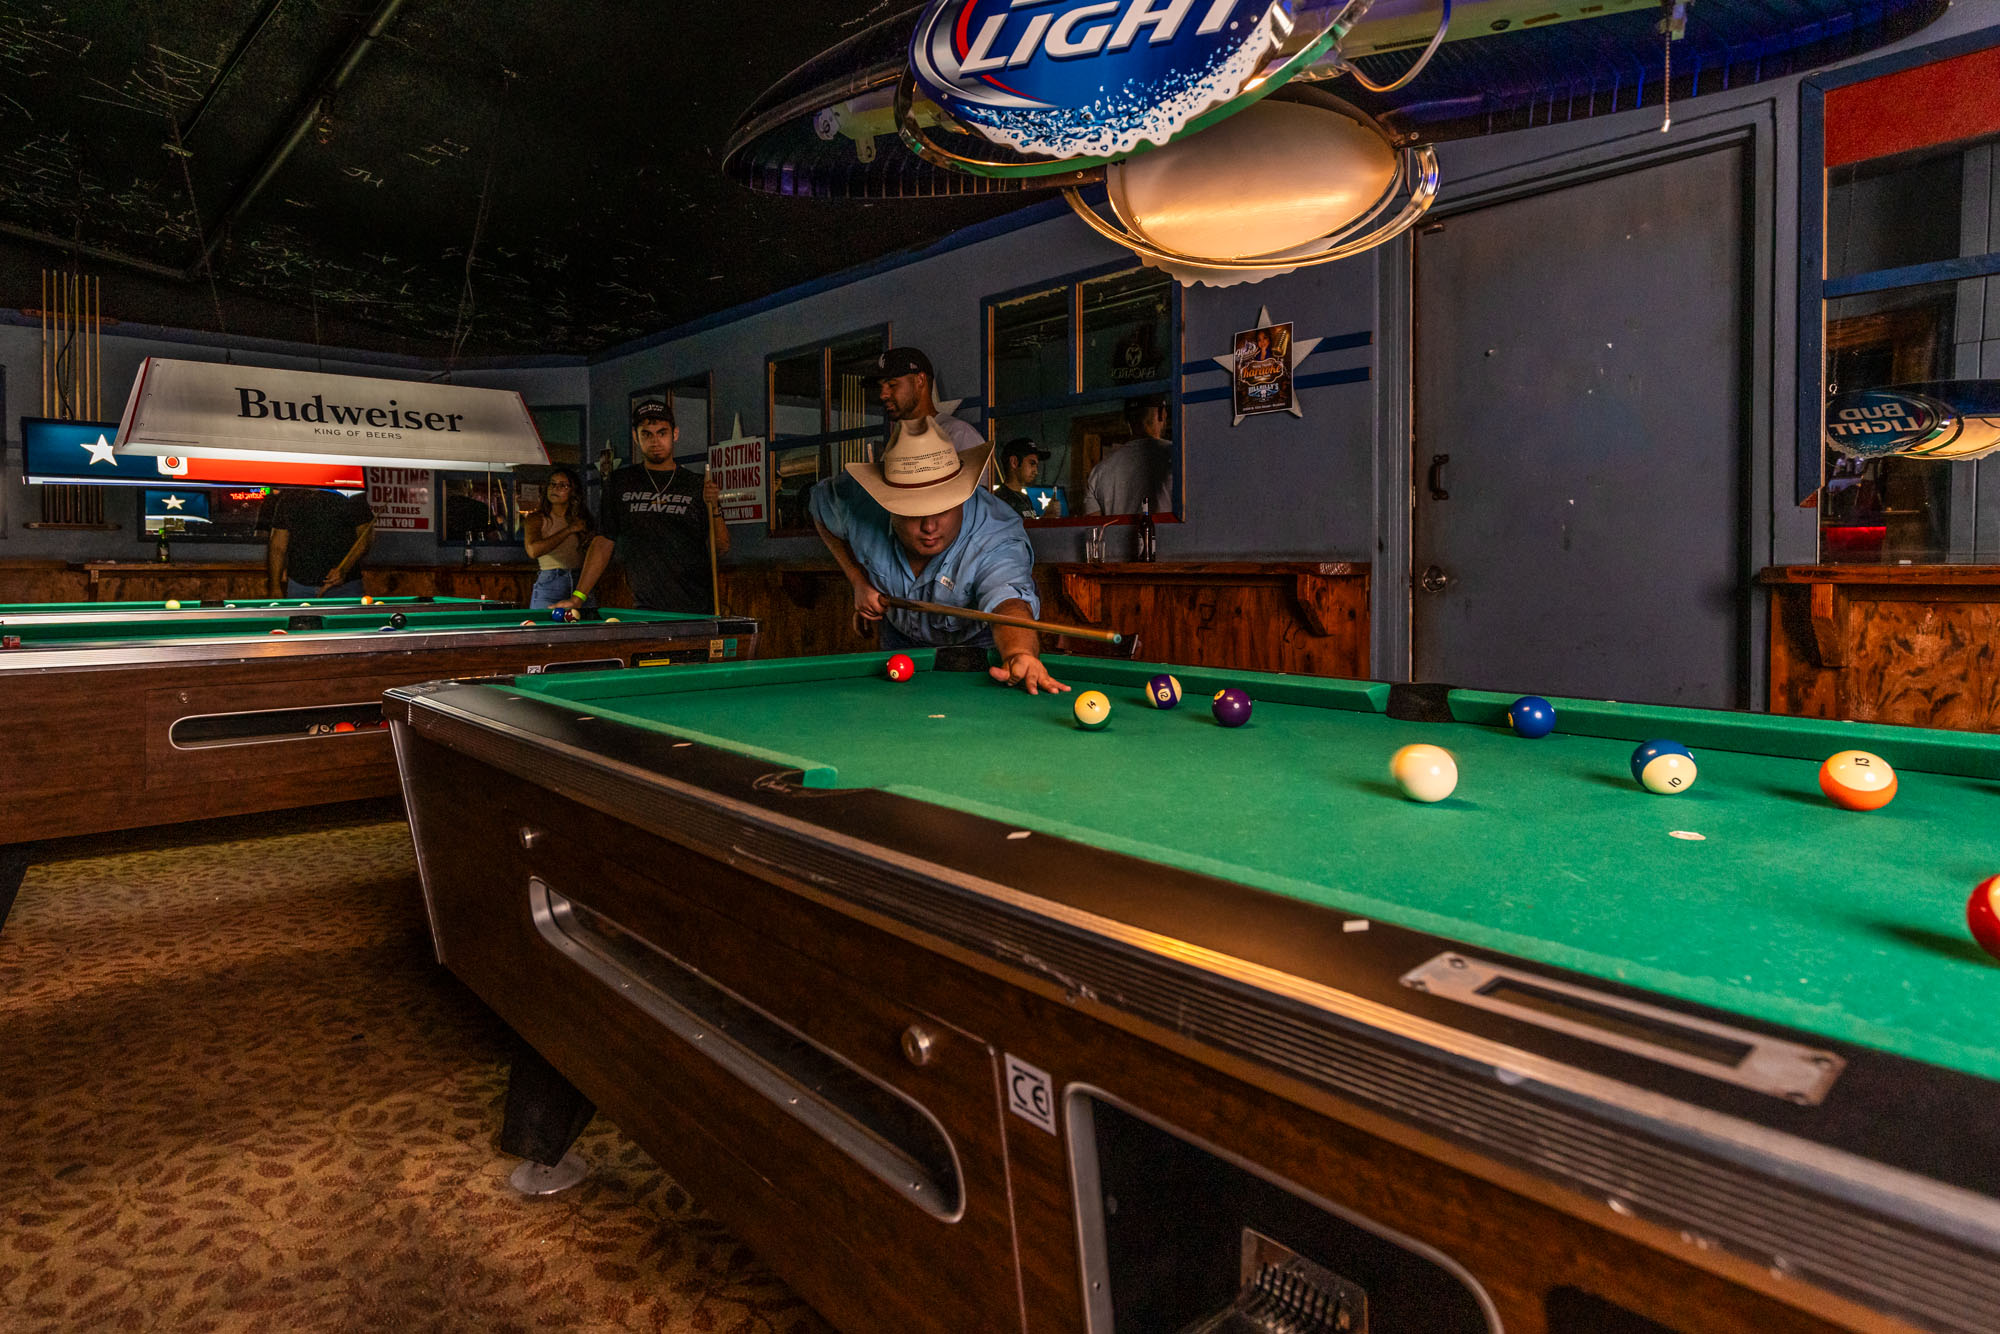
(1069, 78)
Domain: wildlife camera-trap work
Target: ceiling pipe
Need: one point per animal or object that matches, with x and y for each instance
(229, 67)
(301, 127)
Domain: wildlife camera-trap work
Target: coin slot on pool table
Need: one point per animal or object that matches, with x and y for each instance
(1758, 1061)
(879, 1128)
(256, 727)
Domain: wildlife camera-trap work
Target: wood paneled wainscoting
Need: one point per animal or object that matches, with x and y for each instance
(1309, 618)
(1916, 644)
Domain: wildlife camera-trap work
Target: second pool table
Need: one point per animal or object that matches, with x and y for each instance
(1553, 1054)
(117, 723)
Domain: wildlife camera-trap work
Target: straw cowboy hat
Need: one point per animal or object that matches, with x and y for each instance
(923, 474)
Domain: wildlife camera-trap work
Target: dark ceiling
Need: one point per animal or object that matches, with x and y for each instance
(572, 148)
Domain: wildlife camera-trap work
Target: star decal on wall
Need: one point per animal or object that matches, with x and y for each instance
(1301, 349)
(172, 503)
(100, 452)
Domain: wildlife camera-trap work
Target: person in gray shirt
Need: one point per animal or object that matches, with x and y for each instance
(1141, 469)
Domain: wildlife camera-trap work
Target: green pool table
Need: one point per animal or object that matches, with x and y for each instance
(114, 723)
(16, 613)
(1726, 1059)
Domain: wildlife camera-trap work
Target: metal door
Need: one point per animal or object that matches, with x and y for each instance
(1580, 431)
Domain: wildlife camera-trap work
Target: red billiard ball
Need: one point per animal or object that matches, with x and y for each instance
(343, 727)
(901, 668)
(277, 632)
(1982, 915)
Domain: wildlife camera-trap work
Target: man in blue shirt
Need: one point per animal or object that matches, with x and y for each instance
(919, 526)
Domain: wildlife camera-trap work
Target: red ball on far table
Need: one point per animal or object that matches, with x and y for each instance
(1982, 915)
(901, 668)
(343, 727)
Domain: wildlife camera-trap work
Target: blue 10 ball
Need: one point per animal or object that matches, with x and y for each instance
(1163, 692)
(1665, 767)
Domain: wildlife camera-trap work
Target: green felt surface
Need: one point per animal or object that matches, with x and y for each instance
(194, 605)
(1844, 924)
(183, 627)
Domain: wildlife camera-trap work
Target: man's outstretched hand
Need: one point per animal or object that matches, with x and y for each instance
(1026, 670)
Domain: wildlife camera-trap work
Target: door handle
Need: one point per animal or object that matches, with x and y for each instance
(1435, 479)
(1433, 579)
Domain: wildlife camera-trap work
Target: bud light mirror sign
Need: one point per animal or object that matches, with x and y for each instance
(1947, 419)
(1096, 78)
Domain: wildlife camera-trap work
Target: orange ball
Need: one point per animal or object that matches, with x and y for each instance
(1855, 780)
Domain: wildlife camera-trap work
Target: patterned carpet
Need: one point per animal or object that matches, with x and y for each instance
(238, 1094)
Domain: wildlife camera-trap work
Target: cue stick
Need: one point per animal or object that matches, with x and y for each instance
(714, 565)
(1020, 622)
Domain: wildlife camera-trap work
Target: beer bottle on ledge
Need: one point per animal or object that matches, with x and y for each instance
(1147, 537)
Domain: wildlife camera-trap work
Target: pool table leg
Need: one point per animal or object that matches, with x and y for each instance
(545, 1112)
(15, 859)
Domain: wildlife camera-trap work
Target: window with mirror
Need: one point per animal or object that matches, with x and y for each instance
(1900, 307)
(1085, 370)
(820, 416)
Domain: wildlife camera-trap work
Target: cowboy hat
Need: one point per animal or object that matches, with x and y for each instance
(923, 474)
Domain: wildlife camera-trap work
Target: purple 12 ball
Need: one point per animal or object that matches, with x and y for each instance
(1231, 707)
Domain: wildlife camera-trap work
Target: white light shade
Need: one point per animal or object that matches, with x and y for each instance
(216, 410)
(1274, 178)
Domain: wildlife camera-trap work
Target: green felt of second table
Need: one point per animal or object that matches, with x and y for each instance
(1750, 892)
(187, 628)
(191, 607)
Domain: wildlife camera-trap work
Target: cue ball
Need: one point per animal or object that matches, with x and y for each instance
(1163, 692)
(1424, 773)
(1982, 915)
(397, 620)
(1231, 707)
(900, 667)
(1531, 716)
(1092, 710)
(1665, 767)
(173, 604)
(1854, 780)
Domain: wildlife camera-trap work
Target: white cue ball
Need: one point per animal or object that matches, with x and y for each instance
(1425, 773)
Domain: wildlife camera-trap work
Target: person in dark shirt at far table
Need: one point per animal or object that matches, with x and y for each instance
(317, 541)
(1020, 464)
(657, 517)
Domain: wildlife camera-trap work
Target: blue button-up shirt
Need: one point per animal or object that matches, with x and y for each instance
(988, 563)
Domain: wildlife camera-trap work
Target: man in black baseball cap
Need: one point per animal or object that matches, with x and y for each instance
(905, 384)
(1020, 464)
(660, 517)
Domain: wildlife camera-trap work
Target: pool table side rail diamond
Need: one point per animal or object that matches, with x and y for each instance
(1882, 1210)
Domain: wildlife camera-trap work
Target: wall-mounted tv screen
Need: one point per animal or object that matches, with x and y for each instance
(198, 514)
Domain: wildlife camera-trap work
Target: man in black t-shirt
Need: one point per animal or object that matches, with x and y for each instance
(658, 518)
(317, 541)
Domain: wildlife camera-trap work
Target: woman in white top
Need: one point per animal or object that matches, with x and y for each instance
(557, 535)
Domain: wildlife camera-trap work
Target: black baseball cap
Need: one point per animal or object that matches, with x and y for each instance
(652, 410)
(1019, 446)
(901, 361)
